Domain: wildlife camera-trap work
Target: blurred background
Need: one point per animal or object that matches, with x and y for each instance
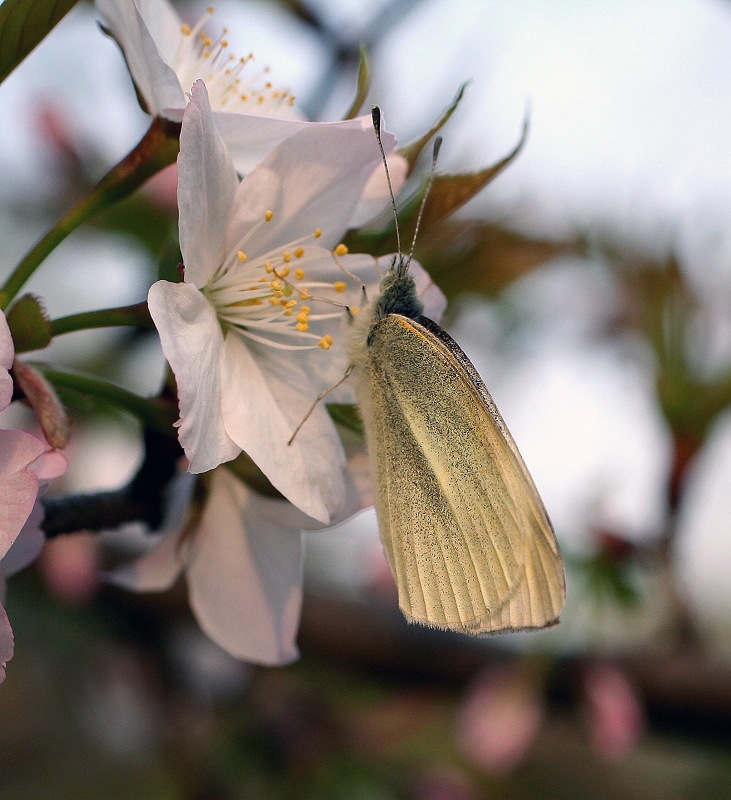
(590, 284)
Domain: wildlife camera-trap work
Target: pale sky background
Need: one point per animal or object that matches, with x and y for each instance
(630, 141)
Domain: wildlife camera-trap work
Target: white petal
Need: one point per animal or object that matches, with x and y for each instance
(27, 547)
(157, 570)
(49, 465)
(18, 483)
(164, 24)
(206, 185)
(359, 490)
(251, 138)
(156, 81)
(245, 575)
(435, 303)
(160, 567)
(192, 342)
(6, 642)
(376, 196)
(312, 180)
(263, 401)
(7, 353)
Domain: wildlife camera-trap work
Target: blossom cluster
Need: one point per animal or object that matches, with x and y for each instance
(27, 464)
(255, 332)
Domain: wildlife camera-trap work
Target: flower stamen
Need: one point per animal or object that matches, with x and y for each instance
(199, 55)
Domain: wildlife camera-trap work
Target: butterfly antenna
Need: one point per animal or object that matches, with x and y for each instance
(430, 181)
(376, 116)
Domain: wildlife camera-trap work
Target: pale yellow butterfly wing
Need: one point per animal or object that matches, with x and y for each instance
(462, 524)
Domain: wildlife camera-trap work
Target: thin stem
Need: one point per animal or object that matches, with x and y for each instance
(136, 315)
(157, 149)
(155, 413)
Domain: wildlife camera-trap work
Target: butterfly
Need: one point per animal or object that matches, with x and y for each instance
(464, 529)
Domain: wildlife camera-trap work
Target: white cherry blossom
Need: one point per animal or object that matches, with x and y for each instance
(166, 56)
(259, 326)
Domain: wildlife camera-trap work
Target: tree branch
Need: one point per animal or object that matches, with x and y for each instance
(140, 501)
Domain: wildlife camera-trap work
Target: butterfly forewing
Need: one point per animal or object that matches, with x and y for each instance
(462, 524)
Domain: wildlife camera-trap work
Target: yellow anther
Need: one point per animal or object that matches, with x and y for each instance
(241, 256)
(274, 301)
(299, 273)
(283, 271)
(268, 267)
(306, 309)
(325, 342)
(354, 310)
(268, 215)
(286, 256)
(341, 250)
(244, 98)
(304, 294)
(302, 317)
(185, 29)
(302, 326)
(299, 252)
(340, 286)
(290, 303)
(207, 42)
(276, 285)
(260, 101)
(211, 10)
(318, 233)
(268, 85)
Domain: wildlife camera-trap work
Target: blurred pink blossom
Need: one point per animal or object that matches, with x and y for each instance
(499, 719)
(162, 188)
(614, 712)
(70, 568)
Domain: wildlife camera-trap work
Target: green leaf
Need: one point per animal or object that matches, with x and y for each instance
(413, 151)
(363, 85)
(346, 415)
(450, 192)
(23, 25)
(608, 579)
(29, 324)
(447, 194)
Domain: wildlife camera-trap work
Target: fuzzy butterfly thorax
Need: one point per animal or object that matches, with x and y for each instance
(398, 294)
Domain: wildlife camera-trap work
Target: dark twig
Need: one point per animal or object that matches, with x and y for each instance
(141, 500)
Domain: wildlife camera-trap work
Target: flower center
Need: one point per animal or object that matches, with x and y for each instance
(232, 82)
(270, 298)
